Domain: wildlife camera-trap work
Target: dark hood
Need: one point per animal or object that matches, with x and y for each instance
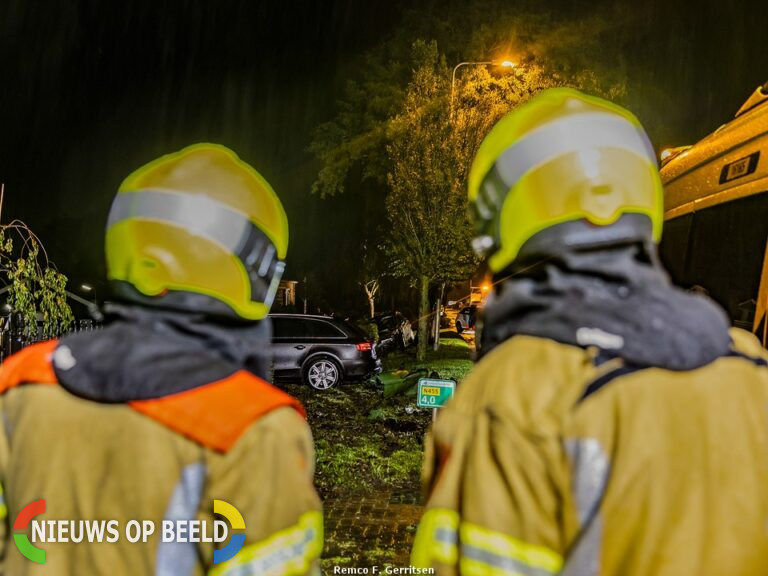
(145, 353)
(618, 300)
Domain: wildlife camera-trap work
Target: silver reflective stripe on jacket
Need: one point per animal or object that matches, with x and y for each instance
(590, 469)
(180, 558)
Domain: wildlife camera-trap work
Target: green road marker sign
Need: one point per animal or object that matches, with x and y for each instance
(434, 393)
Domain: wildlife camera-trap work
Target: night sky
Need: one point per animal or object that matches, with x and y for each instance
(91, 90)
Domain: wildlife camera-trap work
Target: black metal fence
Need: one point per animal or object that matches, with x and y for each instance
(14, 336)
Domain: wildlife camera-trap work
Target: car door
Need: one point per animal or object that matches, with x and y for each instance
(289, 345)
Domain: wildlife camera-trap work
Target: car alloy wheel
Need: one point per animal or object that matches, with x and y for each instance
(323, 374)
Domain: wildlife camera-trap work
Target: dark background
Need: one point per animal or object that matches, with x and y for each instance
(91, 90)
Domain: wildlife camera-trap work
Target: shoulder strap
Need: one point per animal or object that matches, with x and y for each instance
(757, 361)
(606, 377)
(624, 368)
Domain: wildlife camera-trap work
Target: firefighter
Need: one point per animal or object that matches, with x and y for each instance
(613, 424)
(167, 408)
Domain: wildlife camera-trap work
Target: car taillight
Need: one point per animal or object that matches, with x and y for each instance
(364, 346)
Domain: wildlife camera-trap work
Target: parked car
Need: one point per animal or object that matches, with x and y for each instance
(466, 319)
(394, 330)
(322, 351)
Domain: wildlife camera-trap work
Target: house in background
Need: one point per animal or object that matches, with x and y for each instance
(286, 293)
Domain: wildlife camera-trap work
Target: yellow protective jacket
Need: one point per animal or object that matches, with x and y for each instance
(546, 463)
(238, 440)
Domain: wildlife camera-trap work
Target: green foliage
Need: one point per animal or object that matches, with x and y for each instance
(427, 200)
(394, 384)
(378, 415)
(433, 141)
(403, 464)
(579, 48)
(365, 461)
(35, 287)
(370, 329)
(403, 125)
(451, 361)
(358, 134)
(349, 465)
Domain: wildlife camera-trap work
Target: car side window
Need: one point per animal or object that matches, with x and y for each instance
(288, 328)
(322, 329)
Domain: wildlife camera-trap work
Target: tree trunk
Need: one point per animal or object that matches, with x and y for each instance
(371, 288)
(421, 349)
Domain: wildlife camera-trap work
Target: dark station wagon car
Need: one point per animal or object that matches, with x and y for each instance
(320, 350)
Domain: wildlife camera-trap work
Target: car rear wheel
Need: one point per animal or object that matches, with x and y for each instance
(322, 373)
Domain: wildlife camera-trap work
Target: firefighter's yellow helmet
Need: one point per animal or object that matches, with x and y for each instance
(198, 229)
(564, 171)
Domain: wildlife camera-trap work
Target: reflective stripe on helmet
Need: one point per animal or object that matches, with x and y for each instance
(572, 134)
(583, 134)
(563, 157)
(197, 214)
(202, 216)
(274, 283)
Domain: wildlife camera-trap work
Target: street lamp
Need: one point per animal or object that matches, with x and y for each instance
(90, 289)
(503, 64)
(93, 307)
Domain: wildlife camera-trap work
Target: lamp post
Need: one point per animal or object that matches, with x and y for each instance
(90, 289)
(503, 64)
(93, 307)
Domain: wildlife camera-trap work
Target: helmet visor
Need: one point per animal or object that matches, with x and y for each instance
(259, 256)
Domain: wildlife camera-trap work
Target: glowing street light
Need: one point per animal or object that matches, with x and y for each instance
(90, 289)
(502, 64)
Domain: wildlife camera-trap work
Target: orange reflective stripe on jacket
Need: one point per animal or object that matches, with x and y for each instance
(32, 364)
(214, 415)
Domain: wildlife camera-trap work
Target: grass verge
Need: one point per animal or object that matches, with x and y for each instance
(368, 440)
